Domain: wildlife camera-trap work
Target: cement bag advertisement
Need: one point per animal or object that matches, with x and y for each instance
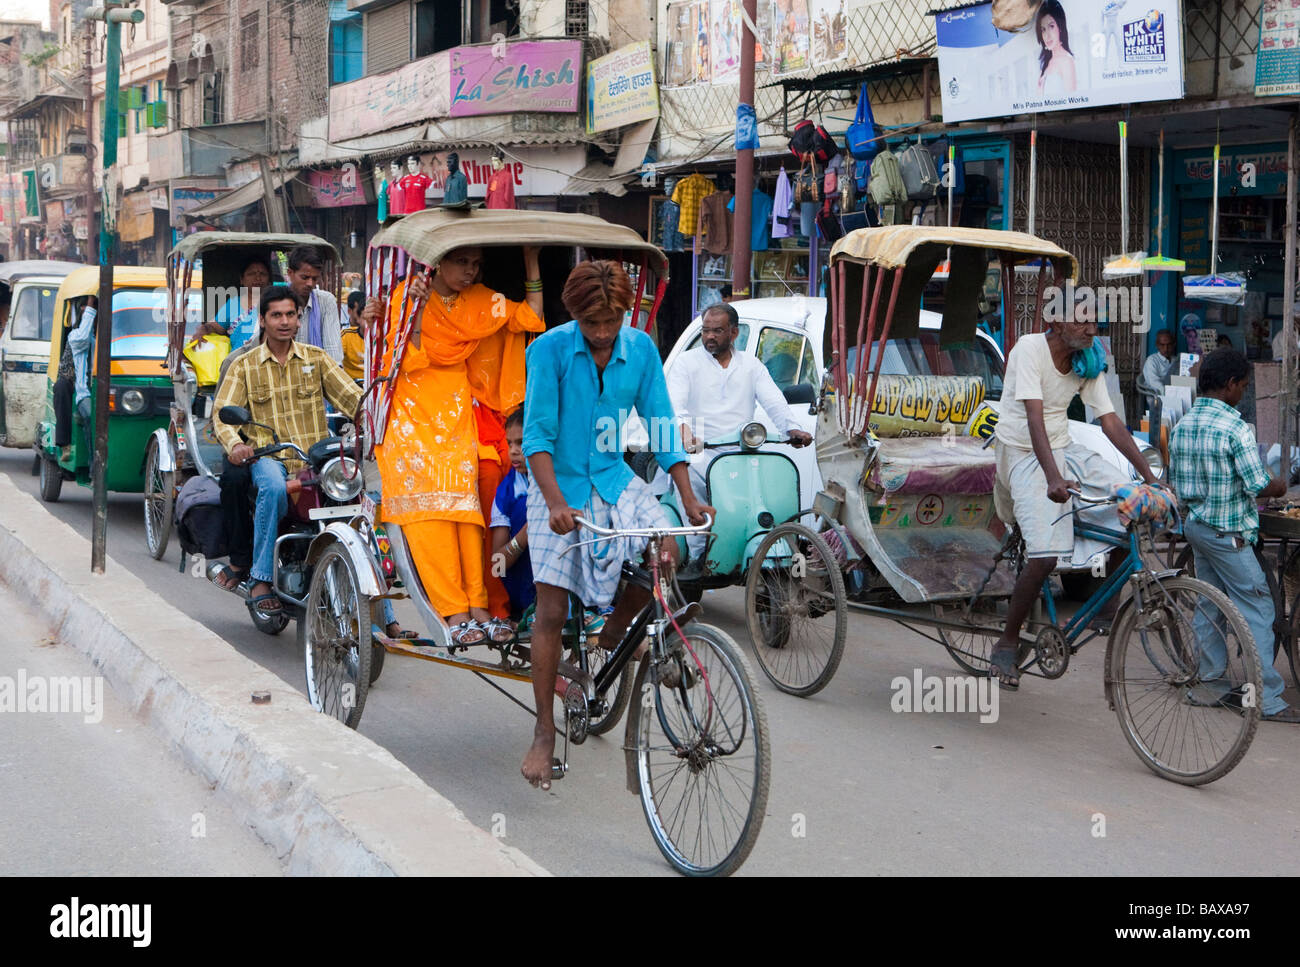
(1070, 54)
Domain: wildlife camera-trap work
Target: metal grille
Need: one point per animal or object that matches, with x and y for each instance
(1078, 191)
(575, 18)
(880, 31)
(1236, 22)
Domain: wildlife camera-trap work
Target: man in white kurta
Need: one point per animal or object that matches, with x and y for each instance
(714, 388)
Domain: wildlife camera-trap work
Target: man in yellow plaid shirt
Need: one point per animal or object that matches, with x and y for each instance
(284, 384)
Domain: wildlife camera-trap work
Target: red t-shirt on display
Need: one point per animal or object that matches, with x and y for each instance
(413, 187)
(501, 189)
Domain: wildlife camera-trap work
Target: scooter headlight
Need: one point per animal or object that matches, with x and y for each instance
(340, 479)
(753, 436)
(1154, 460)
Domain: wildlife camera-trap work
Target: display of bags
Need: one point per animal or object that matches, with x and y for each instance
(919, 174)
(886, 186)
(810, 138)
(939, 155)
(860, 138)
(807, 186)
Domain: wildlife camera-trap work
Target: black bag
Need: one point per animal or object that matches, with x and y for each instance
(828, 225)
(809, 138)
(807, 186)
(203, 531)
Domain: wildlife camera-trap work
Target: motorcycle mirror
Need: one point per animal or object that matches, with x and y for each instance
(800, 393)
(234, 415)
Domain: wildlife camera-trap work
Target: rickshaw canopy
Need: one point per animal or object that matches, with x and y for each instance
(11, 272)
(193, 246)
(430, 234)
(896, 245)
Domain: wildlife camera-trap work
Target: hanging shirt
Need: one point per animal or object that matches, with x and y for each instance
(781, 227)
(501, 189)
(715, 223)
(382, 194)
(672, 238)
(760, 220)
(456, 190)
(396, 202)
(688, 194)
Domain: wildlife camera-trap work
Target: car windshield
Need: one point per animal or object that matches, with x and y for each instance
(923, 356)
(140, 322)
(32, 317)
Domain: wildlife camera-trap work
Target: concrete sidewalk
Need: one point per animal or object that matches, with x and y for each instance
(328, 800)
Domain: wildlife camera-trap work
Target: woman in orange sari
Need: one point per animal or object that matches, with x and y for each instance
(463, 368)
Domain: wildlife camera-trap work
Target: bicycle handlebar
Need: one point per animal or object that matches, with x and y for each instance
(644, 531)
(1079, 495)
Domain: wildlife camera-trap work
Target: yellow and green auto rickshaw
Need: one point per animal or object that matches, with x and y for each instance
(140, 391)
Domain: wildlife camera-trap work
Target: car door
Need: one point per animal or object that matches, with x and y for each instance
(24, 358)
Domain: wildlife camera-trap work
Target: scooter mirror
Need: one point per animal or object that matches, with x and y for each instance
(234, 415)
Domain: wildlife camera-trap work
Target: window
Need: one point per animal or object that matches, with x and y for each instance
(922, 355)
(213, 108)
(501, 19)
(388, 38)
(250, 41)
(437, 27)
(33, 315)
(575, 18)
(347, 44)
(781, 351)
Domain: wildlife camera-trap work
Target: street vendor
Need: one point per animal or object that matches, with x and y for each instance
(582, 377)
(1035, 459)
(1216, 472)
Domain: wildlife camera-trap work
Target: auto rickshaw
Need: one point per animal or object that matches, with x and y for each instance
(27, 293)
(185, 444)
(140, 392)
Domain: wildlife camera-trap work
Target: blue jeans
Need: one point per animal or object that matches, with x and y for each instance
(1237, 573)
(272, 503)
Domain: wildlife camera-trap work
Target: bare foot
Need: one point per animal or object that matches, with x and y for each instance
(537, 763)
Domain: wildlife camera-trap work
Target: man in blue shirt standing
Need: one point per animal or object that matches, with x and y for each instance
(584, 379)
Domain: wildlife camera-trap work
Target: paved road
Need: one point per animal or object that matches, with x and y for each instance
(94, 791)
(856, 787)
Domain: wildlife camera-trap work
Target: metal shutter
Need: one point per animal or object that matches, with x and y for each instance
(388, 38)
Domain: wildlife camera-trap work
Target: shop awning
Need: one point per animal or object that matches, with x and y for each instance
(241, 197)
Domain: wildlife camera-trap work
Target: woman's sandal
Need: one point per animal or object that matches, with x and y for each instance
(468, 633)
(1002, 666)
(499, 631)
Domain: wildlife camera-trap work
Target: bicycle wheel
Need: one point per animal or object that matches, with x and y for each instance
(334, 636)
(616, 697)
(1185, 681)
(159, 502)
(971, 649)
(796, 608)
(703, 755)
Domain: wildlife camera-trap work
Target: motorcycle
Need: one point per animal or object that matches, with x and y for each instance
(325, 491)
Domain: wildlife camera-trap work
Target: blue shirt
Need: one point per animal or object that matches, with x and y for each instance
(568, 415)
(79, 341)
(239, 326)
(760, 222)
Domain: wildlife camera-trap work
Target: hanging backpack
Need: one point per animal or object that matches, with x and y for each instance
(860, 138)
(807, 186)
(803, 138)
(886, 188)
(919, 174)
(824, 146)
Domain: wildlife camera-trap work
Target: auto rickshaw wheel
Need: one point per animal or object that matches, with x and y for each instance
(797, 609)
(334, 635)
(51, 479)
(159, 502)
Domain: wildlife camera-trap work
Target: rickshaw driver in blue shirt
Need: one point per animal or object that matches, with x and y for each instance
(584, 377)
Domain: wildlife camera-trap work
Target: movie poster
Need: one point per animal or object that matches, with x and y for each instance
(791, 42)
(830, 22)
(727, 32)
(688, 61)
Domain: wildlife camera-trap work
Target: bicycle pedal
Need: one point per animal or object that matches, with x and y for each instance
(558, 769)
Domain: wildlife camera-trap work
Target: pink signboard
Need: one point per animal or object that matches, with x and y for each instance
(530, 75)
(337, 187)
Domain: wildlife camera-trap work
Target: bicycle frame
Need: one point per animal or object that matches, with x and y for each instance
(1075, 627)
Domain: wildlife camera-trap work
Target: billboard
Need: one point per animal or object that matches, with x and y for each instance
(1073, 54)
(526, 75)
(621, 88)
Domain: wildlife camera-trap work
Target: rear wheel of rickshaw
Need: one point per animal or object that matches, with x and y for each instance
(334, 635)
(51, 480)
(159, 502)
(796, 607)
(971, 649)
(703, 754)
(1185, 680)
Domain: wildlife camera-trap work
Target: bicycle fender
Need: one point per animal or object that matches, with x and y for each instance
(630, 729)
(166, 457)
(1121, 618)
(369, 578)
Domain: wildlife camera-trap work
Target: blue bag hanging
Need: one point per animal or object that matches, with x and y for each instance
(860, 137)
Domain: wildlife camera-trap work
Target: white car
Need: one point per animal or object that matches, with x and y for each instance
(787, 336)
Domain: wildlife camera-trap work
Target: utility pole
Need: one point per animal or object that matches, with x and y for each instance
(740, 244)
(90, 140)
(114, 13)
(277, 209)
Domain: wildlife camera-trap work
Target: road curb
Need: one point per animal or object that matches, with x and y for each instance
(328, 800)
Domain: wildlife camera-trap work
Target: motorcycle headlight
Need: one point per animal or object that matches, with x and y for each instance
(753, 436)
(340, 479)
(1154, 460)
(131, 401)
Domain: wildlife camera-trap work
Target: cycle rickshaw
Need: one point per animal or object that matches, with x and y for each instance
(695, 743)
(907, 510)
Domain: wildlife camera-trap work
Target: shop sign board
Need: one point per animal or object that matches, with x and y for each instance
(1277, 58)
(336, 187)
(1244, 170)
(408, 95)
(621, 88)
(1095, 55)
(187, 197)
(504, 77)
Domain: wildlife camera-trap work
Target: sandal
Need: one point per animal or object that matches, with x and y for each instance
(499, 631)
(255, 604)
(468, 633)
(1002, 666)
(229, 578)
(400, 632)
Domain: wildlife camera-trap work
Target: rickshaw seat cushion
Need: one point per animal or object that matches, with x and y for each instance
(933, 465)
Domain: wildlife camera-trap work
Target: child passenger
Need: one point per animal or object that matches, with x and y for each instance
(510, 559)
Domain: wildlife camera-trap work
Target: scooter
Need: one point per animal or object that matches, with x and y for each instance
(327, 489)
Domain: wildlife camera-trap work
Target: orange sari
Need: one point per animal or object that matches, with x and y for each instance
(472, 352)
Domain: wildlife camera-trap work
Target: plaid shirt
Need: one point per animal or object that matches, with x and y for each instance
(688, 194)
(1215, 469)
(290, 397)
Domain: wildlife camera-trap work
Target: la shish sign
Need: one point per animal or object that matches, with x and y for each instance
(1073, 54)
